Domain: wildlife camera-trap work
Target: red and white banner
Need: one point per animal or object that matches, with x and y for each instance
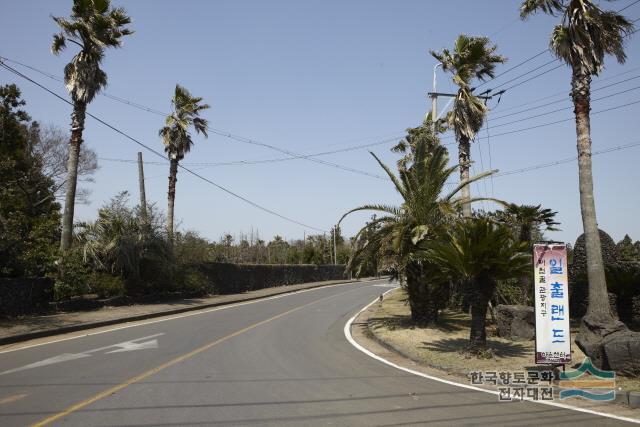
(551, 288)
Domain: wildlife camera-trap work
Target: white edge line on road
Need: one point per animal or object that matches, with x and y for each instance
(347, 334)
(178, 316)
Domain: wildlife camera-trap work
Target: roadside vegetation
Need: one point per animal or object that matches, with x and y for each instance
(446, 255)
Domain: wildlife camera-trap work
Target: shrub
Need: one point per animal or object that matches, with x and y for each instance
(73, 276)
(106, 285)
(123, 243)
(191, 282)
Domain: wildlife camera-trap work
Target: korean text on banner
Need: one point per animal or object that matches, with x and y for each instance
(551, 288)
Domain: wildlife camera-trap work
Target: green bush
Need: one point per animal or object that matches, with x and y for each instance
(73, 276)
(191, 282)
(106, 285)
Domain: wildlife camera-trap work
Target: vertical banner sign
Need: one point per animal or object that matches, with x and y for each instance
(553, 335)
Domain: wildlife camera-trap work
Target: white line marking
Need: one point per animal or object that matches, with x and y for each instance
(50, 361)
(347, 334)
(180, 316)
(130, 345)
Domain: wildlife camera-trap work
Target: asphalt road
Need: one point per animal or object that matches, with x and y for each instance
(281, 361)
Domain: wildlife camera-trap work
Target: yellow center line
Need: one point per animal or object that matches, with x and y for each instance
(73, 408)
(13, 398)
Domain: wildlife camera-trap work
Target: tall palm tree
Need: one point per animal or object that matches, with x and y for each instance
(472, 57)
(177, 139)
(401, 230)
(479, 252)
(93, 27)
(585, 35)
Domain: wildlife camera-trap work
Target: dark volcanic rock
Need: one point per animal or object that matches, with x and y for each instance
(516, 322)
(622, 350)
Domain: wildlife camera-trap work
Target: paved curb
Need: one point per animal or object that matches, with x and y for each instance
(12, 339)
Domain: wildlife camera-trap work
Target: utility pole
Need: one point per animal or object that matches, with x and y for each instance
(335, 246)
(434, 100)
(143, 197)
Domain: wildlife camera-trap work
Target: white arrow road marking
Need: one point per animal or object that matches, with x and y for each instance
(50, 361)
(131, 345)
(127, 344)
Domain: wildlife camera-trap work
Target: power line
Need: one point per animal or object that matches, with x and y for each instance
(617, 107)
(564, 92)
(557, 110)
(563, 109)
(533, 78)
(524, 74)
(255, 162)
(512, 68)
(566, 160)
(629, 5)
(237, 138)
(564, 99)
(157, 153)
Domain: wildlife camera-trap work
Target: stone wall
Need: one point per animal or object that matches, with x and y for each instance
(22, 296)
(227, 278)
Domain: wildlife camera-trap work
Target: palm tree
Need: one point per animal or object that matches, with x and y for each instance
(524, 220)
(423, 134)
(585, 35)
(401, 230)
(478, 252)
(472, 57)
(93, 26)
(177, 140)
(527, 218)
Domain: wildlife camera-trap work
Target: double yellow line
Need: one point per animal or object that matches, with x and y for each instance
(150, 372)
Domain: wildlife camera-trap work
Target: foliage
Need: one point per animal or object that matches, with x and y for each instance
(399, 233)
(189, 247)
(528, 220)
(50, 144)
(586, 33)
(610, 255)
(627, 250)
(471, 58)
(93, 26)
(73, 276)
(421, 135)
(120, 242)
(29, 215)
(177, 139)
(477, 252)
(186, 113)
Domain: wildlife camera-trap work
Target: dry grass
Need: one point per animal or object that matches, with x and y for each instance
(442, 346)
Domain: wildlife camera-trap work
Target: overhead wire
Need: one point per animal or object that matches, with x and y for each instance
(245, 140)
(157, 153)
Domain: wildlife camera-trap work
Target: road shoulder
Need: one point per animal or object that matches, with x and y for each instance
(360, 332)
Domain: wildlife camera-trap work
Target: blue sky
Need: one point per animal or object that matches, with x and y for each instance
(315, 76)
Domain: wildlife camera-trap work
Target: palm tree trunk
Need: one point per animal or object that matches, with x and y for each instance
(481, 291)
(464, 160)
(525, 282)
(77, 126)
(598, 297)
(422, 301)
(599, 321)
(173, 178)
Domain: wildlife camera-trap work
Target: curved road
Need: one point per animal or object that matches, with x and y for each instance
(279, 361)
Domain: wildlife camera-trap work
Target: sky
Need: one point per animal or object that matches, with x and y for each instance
(314, 76)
